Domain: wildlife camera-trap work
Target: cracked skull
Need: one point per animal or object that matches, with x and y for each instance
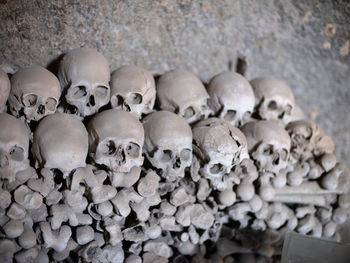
(60, 142)
(168, 143)
(268, 144)
(14, 143)
(35, 92)
(231, 98)
(84, 75)
(273, 99)
(116, 139)
(181, 92)
(133, 89)
(219, 146)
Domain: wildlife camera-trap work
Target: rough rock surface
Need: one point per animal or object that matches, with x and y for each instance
(305, 43)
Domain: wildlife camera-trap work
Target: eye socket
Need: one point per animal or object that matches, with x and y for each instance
(101, 91)
(230, 115)
(185, 154)
(30, 100)
(189, 112)
(136, 98)
(246, 116)
(288, 110)
(109, 148)
(17, 153)
(78, 92)
(272, 105)
(167, 156)
(216, 168)
(133, 150)
(284, 154)
(268, 150)
(50, 104)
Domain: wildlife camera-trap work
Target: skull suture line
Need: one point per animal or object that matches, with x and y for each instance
(168, 143)
(268, 144)
(182, 92)
(35, 92)
(84, 75)
(133, 89)
(60, 142)
(273, 99)
(116, 140)
(231, 97)
(14, 144)
(219, 146)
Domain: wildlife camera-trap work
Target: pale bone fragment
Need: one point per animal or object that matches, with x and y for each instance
(116, 139)
(7, 250)
(54, 197)
(298, 175)
(28, 198)
(274, 100)
(247, 174)
(142, 209)
(328, 161)
(13, 228)
(84, 75)
(84, 234)
(38, 215)
(133, 89)
(219, 146)
(159, 248)
(340, 215)
(32, 255)
(5, 87)
(136, 233)
(329, 229)
(268, 145)
(231, 97)
(133, 259)
(76, 199)
(204, 189)
(62, 255)
(28, 238)
(43, 185)
(180, 197)
(105, 209)
(167, 223)
(266, 190)
(14, 145)
(194, 214)
(187, 248)
(57, 239)
(35, 93)
(227, 197)
(337, 179)
(5, 199)
(148, 185)
(16, 211)
(149, 257)
(62, 213)
(171, 88)
(308, 223)
(308, 139)
(90, 252)
(60, 142)
(168, 143)
(297, 115)
(112, 254)
(21, 178)
(121, 201)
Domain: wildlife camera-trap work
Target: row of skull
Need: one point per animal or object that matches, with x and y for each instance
(86, 84)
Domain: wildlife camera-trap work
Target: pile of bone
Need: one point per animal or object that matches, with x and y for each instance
(100, 167)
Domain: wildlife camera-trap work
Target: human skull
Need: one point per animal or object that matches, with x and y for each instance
(14, 144)
(84, 75)
(273, 99)
(231, 97)
(308, 139)
(133, 89)
(60, 143)
(4, 90)
(181, 92)
(35, 92)
(116, 139)
(168, 143)
(219, 146)
(268, 144)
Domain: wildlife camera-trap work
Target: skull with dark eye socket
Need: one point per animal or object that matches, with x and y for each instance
(116, 140)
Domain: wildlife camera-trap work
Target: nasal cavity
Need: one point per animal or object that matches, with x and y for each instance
(92, 100)
(41, 109)
(177, 163)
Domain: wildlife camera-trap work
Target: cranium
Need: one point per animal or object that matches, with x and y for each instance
(273, 99)
(84, 75)
(168, 143)
(133, 89)
(60, 142)
(116, 140)
(182, 92)
(231, 97)
(14, 143)
(4, 89)
(268, 144)
(308, 139)
(219, 146)
(35, 92)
